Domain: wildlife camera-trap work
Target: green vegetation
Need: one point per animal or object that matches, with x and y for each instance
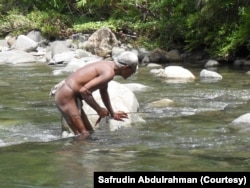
(221, 27)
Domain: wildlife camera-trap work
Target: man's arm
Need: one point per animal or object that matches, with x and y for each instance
(106, 100)
(89, 99)
(86, 93)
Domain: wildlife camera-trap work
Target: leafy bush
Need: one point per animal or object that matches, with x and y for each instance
(221, 27)
(14, 23)
(52, 24)
(239, 36)
(218, 26)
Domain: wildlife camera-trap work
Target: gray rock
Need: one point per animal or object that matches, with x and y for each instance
(16, 57)
(25, 43)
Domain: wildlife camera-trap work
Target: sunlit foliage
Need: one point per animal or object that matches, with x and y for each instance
(221, 27)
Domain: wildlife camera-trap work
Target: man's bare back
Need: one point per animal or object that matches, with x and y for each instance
(91, 76)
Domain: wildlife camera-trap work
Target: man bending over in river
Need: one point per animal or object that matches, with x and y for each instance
(80, 85)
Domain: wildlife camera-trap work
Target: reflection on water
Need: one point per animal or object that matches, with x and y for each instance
(191, 135)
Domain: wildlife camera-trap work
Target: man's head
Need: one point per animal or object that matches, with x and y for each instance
(127, 63)
(127, 58)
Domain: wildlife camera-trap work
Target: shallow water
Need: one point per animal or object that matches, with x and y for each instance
(192, 135)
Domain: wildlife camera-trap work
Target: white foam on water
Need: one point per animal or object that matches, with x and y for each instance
(2, 143)
(11, 135)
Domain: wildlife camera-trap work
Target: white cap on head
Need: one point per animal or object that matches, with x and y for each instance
(127, 58)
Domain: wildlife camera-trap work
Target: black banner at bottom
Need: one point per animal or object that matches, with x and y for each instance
(171, 179)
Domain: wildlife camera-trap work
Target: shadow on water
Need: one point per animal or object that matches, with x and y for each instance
(192, 135)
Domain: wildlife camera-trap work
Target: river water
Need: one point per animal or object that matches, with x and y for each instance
(192, 135)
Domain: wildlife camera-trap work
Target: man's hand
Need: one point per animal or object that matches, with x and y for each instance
(103, 112)
(117, 115)
(120, 115)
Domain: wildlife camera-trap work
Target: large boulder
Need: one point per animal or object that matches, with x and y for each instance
(25, 43)
(101, 42)
(16, 57)
(60, 52)
(160, 56)
(242, 123)
(3, 45)
(210, 74)
(35, 35)
(174, 73)
(122, 98)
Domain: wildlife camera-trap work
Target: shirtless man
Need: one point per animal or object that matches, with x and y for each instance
(80, 85)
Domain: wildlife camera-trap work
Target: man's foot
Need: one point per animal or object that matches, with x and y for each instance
(83, 135)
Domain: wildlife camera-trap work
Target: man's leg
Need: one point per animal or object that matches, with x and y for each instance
(68, 106)
(73, 118)
(86, 122)
(84, 117)
(72, 122)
